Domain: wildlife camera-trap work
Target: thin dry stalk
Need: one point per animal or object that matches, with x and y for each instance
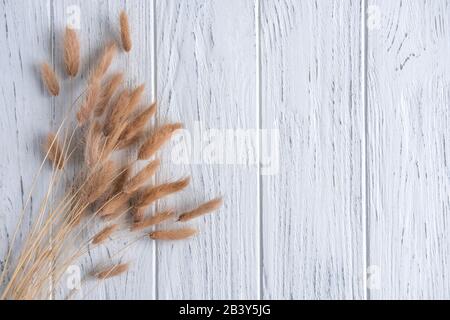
(54, 150)
(203, 209)
(112, 271)
(142, 177)
(107, 93)
(151, 194)
(71, 52)
(138, 123)
(157, 140)
(153, 220)
(125, 33)
(50, 79)
(177, 234)
(103, 235)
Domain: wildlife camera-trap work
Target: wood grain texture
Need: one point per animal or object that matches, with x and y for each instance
(206, 73)
(311, 91)
(408, 147)
(26, 113)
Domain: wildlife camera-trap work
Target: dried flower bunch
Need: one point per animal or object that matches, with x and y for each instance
(105, 193)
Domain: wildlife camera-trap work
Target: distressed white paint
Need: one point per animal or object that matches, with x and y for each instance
(295, 66)
(408, 148)
(206, 73)
(312, 209)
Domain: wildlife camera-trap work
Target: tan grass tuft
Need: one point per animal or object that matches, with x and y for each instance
(135, 98)
(90, 102)
(177, 234)
(138, 123)
(94, 145)
(108, 54)
(50, 79)
(151, 194)
(153, 220)
(115, 206)
(103, 235)
(107, 93)
(71, 52)
(54, 151)
(142, 177)
(125, 33)
(112, 271)
(99, 182)
(203, 209)
(116, 113)
(157, 140)
(138, 214)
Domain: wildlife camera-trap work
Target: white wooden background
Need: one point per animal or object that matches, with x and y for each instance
(359, 93)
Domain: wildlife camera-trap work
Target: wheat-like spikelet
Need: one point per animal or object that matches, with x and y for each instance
(157, 140)
(177, 234)
(94, 144)
(90, 102)
(203, 209)
(138, 123)
(125, 33)
(135, 98)
(99, 182)
(135, 140)
(109, 52)
(153, 220)
(112, 271)
(107, 93)
(141, 177)
(123, 177)
(50, 79)
(115, 114)
(54, 151)
(138, 214)
(150, 194)
(116, 205)
(71, 52)
(103, 235)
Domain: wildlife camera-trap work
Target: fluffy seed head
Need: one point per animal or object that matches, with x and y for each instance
(109, 52)
(125, 33)
(112, 271)
(151, 194)
(157, 140)
(89, 103)
(153, 220)
(50, 79)
(104, 234)
(71, 52)
(142, 177)
(107, 92)
(203, 209)
(177, 234)
(138, 123)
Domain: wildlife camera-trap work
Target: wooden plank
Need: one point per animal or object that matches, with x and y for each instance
(25, 34)
(313, 241)
(408, 147)
(206, 73)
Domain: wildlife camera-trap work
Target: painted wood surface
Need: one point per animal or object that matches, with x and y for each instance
(408, 146)
(311, 92)
(349, 171)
